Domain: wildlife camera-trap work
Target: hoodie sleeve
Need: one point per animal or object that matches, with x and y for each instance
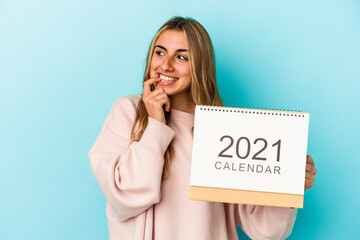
(265, 222)
(129, 174)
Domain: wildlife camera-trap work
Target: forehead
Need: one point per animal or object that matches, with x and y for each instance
(172, 40)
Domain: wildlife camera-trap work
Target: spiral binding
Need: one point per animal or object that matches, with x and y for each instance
(275, 112)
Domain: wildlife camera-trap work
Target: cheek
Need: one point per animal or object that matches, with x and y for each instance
(185, 71)
(155, 63)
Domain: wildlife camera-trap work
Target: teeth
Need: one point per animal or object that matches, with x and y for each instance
(167, 79)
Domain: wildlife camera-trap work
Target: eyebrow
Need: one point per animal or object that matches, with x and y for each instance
(179, 50)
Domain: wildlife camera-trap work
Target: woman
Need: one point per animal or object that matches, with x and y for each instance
(142, 156)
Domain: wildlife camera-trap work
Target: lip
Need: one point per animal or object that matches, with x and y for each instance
(158, 75)
(165, 83)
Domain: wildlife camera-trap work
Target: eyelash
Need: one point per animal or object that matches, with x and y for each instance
(180, 57)
(159, 53)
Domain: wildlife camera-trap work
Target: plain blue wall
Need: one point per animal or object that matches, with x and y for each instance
(63, 63)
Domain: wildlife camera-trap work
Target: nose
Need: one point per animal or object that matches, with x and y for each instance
(167, 65)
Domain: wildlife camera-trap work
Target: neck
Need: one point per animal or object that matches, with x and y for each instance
(182, 102)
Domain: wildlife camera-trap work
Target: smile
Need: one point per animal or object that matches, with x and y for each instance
(166, 79)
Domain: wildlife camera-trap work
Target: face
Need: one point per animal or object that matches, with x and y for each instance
(170, 63)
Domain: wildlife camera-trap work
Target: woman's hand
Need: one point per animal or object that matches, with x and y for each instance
(155, 101)
(310, 172)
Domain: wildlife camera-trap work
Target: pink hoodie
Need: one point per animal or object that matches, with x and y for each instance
(141, 207)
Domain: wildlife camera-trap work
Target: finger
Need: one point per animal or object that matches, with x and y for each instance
(150, 96)
(309, 160)
(308, 184)
(167, 105)
(309, 167)
(157, 92)
(164, 100)
(148, 86)
(148, 83)
(161, 98)
(310, 176)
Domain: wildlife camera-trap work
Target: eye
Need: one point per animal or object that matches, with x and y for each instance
(159, 53)
(183, 58)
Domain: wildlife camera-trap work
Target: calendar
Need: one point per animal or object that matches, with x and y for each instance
(249, 156)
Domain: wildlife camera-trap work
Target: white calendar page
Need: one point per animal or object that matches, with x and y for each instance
(249, 149)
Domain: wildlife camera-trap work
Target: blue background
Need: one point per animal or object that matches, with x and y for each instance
(63, 63)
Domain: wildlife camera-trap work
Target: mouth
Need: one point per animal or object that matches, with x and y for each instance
(166, 80)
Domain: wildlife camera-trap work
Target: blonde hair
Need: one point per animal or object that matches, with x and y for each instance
(203, 90)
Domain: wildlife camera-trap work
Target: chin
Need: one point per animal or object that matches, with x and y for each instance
(168, 92)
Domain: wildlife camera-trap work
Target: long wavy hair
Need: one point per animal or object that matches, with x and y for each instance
(203, 89)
